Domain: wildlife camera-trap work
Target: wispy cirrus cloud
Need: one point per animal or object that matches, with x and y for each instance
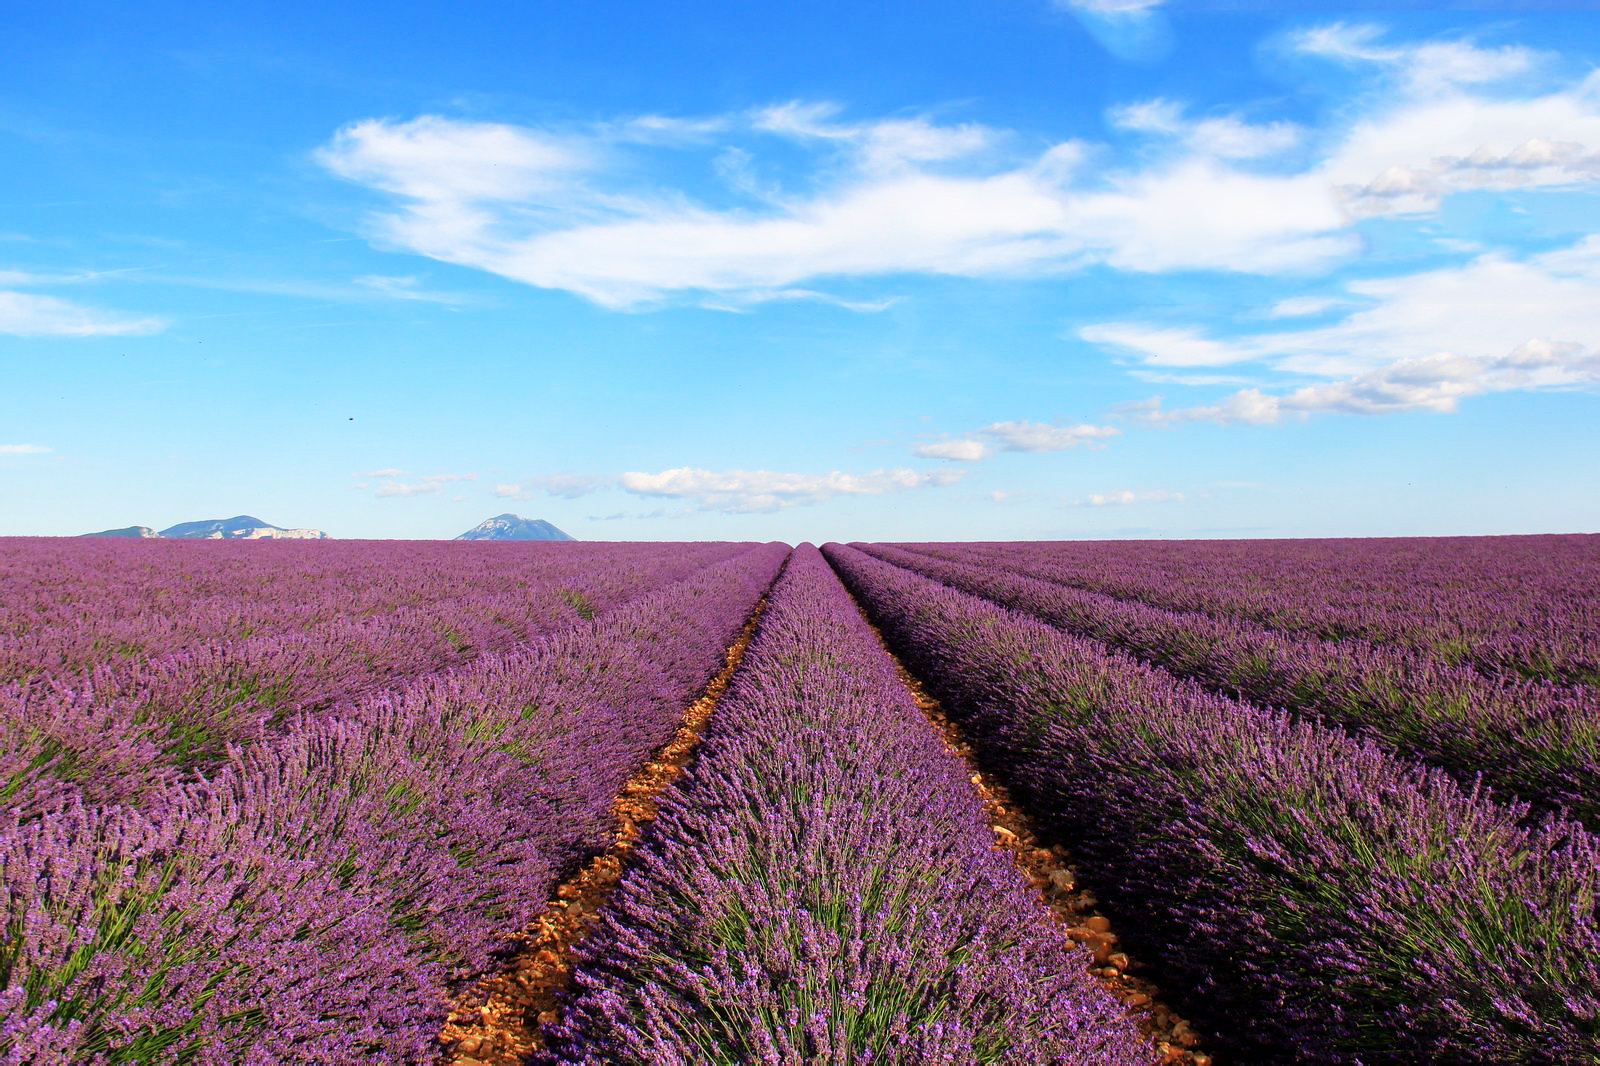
(878, 198)
(1129, 29)
(1218, 137)
(567, 486)
(393, 483)
(24, 314)
(1017, 436)
(24, 449)
(1129, 497)
(411, 287)
(808, 195)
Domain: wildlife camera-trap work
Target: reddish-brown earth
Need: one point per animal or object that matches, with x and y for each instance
(499, 1019)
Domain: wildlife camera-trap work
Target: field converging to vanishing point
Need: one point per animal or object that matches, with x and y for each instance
(1048, 802)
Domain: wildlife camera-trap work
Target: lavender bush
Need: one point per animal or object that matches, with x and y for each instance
(1535, 740)
(1520, 606)
(822, 886)
(117, 730)
(314, 898)
(1310, 897)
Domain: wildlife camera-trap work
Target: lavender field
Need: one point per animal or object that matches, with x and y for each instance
(1054, 802)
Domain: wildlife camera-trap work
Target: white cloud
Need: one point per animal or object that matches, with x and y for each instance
(1017, 436)
(1437, 131)
(745, 301)
(567, 486)
(1045, 437)
(1200, 213)
(1111, 7)
(424, 486)
(965, 450)
(436, 160)
(410, 288)
(1168, 377)
(1431, 383)
(1149, 116)
(1224, 137)
(1427, 67)
(1126, 497)
(912, 197)
(388, 471)
(23, 449)
(1299, 306)
(1422, 342)
(589, 211)
(1164, 345)
(1134, 30)
(26, 314)
(744, 491)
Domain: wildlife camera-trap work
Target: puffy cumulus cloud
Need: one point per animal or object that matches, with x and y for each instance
(26, 314)
(1421, 342)
(1017, 436)
(745, 491)
(23, 449)
(392, 484)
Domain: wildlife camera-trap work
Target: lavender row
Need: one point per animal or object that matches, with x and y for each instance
(1309, 897)
(1535, 740)
(118, 731)
(822, 887)
(72, 606)
(1519, 606)
(316, 897)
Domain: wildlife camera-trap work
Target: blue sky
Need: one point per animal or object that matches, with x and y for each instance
(1014, 269)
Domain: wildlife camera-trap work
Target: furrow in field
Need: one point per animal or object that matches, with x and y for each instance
(1052, 873)
(500, 1018)
(318, 898)
(823, 885)
(1311, 897)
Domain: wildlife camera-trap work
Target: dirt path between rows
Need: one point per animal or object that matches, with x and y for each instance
(499, 1020)
(1050, 871)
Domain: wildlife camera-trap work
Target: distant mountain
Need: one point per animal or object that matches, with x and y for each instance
(242, 527)
(135, 532)
(514, 527)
